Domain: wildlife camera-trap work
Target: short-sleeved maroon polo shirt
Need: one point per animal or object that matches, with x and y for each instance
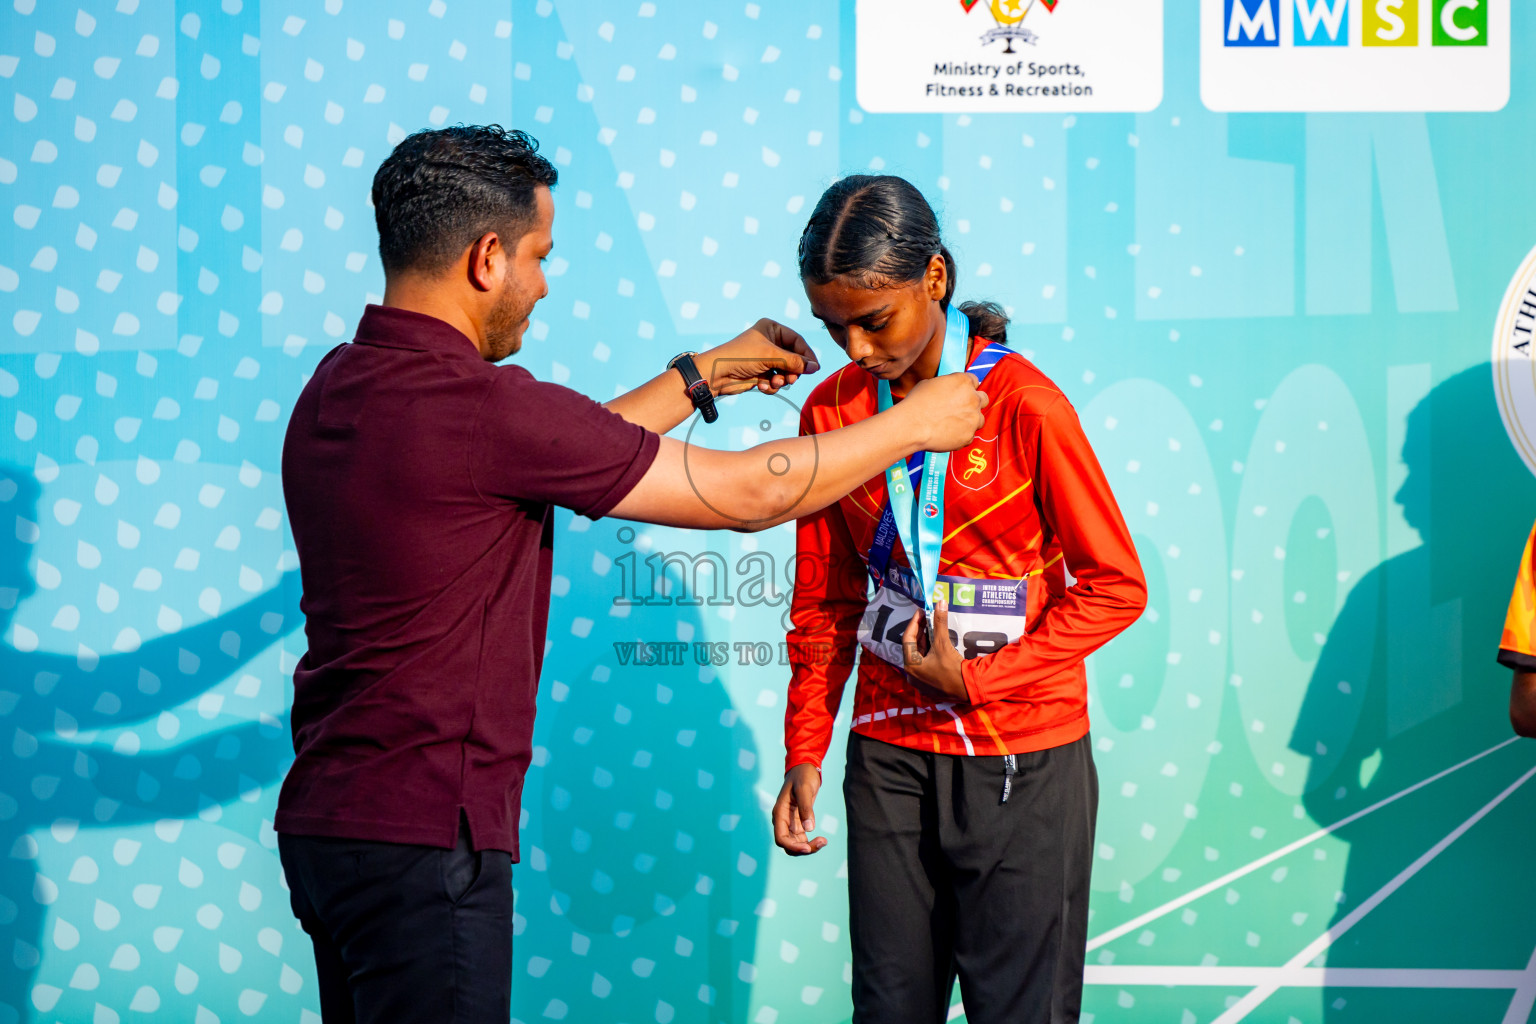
(419, 480)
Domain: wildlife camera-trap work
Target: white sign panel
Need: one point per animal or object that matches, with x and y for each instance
(1354, 55)
(1009, 56)
(1514, 362)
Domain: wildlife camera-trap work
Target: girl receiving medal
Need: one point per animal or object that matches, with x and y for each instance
(975, 585)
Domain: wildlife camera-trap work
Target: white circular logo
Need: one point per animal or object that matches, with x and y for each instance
(1514, 368)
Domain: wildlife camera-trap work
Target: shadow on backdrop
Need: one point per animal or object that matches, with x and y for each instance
(650, 832)
(1426, 621)
(54, 774)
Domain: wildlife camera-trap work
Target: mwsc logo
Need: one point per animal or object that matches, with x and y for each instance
(1354, 56)
(1381, 23)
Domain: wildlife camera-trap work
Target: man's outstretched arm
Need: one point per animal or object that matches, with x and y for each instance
(767, 356)
(778, 481)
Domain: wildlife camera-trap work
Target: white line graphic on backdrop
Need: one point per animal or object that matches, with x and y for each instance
(1292, 975)
(1522, 981)
(1269, 858)
(1305, 977)
(1525, 995)
(1319, 945)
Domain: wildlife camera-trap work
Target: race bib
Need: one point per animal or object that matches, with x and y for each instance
(984, 615)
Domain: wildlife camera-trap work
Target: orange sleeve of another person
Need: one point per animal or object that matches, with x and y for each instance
(1517, 648)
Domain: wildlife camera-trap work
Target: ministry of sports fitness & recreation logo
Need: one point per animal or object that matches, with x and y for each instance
(1009, 15)
(1514, 368)
(1009, 56)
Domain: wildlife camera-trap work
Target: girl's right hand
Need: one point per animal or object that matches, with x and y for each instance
(948, 410)
(794, 812)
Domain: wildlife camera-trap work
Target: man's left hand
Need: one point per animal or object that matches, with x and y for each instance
(768, 356)
(934, 665)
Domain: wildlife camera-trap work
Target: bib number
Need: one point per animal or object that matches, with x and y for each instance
(984, 617)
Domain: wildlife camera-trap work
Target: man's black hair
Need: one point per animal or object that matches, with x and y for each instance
(442, 189)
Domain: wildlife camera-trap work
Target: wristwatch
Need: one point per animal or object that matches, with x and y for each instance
(697, 387)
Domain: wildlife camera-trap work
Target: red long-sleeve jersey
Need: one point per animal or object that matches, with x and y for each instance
(1026, 499)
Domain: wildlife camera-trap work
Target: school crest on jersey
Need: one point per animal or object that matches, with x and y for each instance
(976, 465)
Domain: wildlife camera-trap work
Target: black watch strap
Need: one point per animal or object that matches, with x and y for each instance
(697, 387)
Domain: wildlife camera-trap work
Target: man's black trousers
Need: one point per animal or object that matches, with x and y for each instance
(405, 934)
(945, 879)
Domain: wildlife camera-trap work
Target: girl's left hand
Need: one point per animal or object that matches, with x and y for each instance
(935, 665)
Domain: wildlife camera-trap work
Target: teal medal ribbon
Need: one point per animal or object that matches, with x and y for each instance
(925, 521)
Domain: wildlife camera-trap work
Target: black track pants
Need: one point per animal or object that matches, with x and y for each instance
(946, 879)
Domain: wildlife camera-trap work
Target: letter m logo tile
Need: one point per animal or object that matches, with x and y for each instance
(1251, 22)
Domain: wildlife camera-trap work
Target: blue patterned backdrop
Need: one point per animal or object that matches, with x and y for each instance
(1275, 328)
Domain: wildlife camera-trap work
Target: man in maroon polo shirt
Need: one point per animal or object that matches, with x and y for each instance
(420, 479)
